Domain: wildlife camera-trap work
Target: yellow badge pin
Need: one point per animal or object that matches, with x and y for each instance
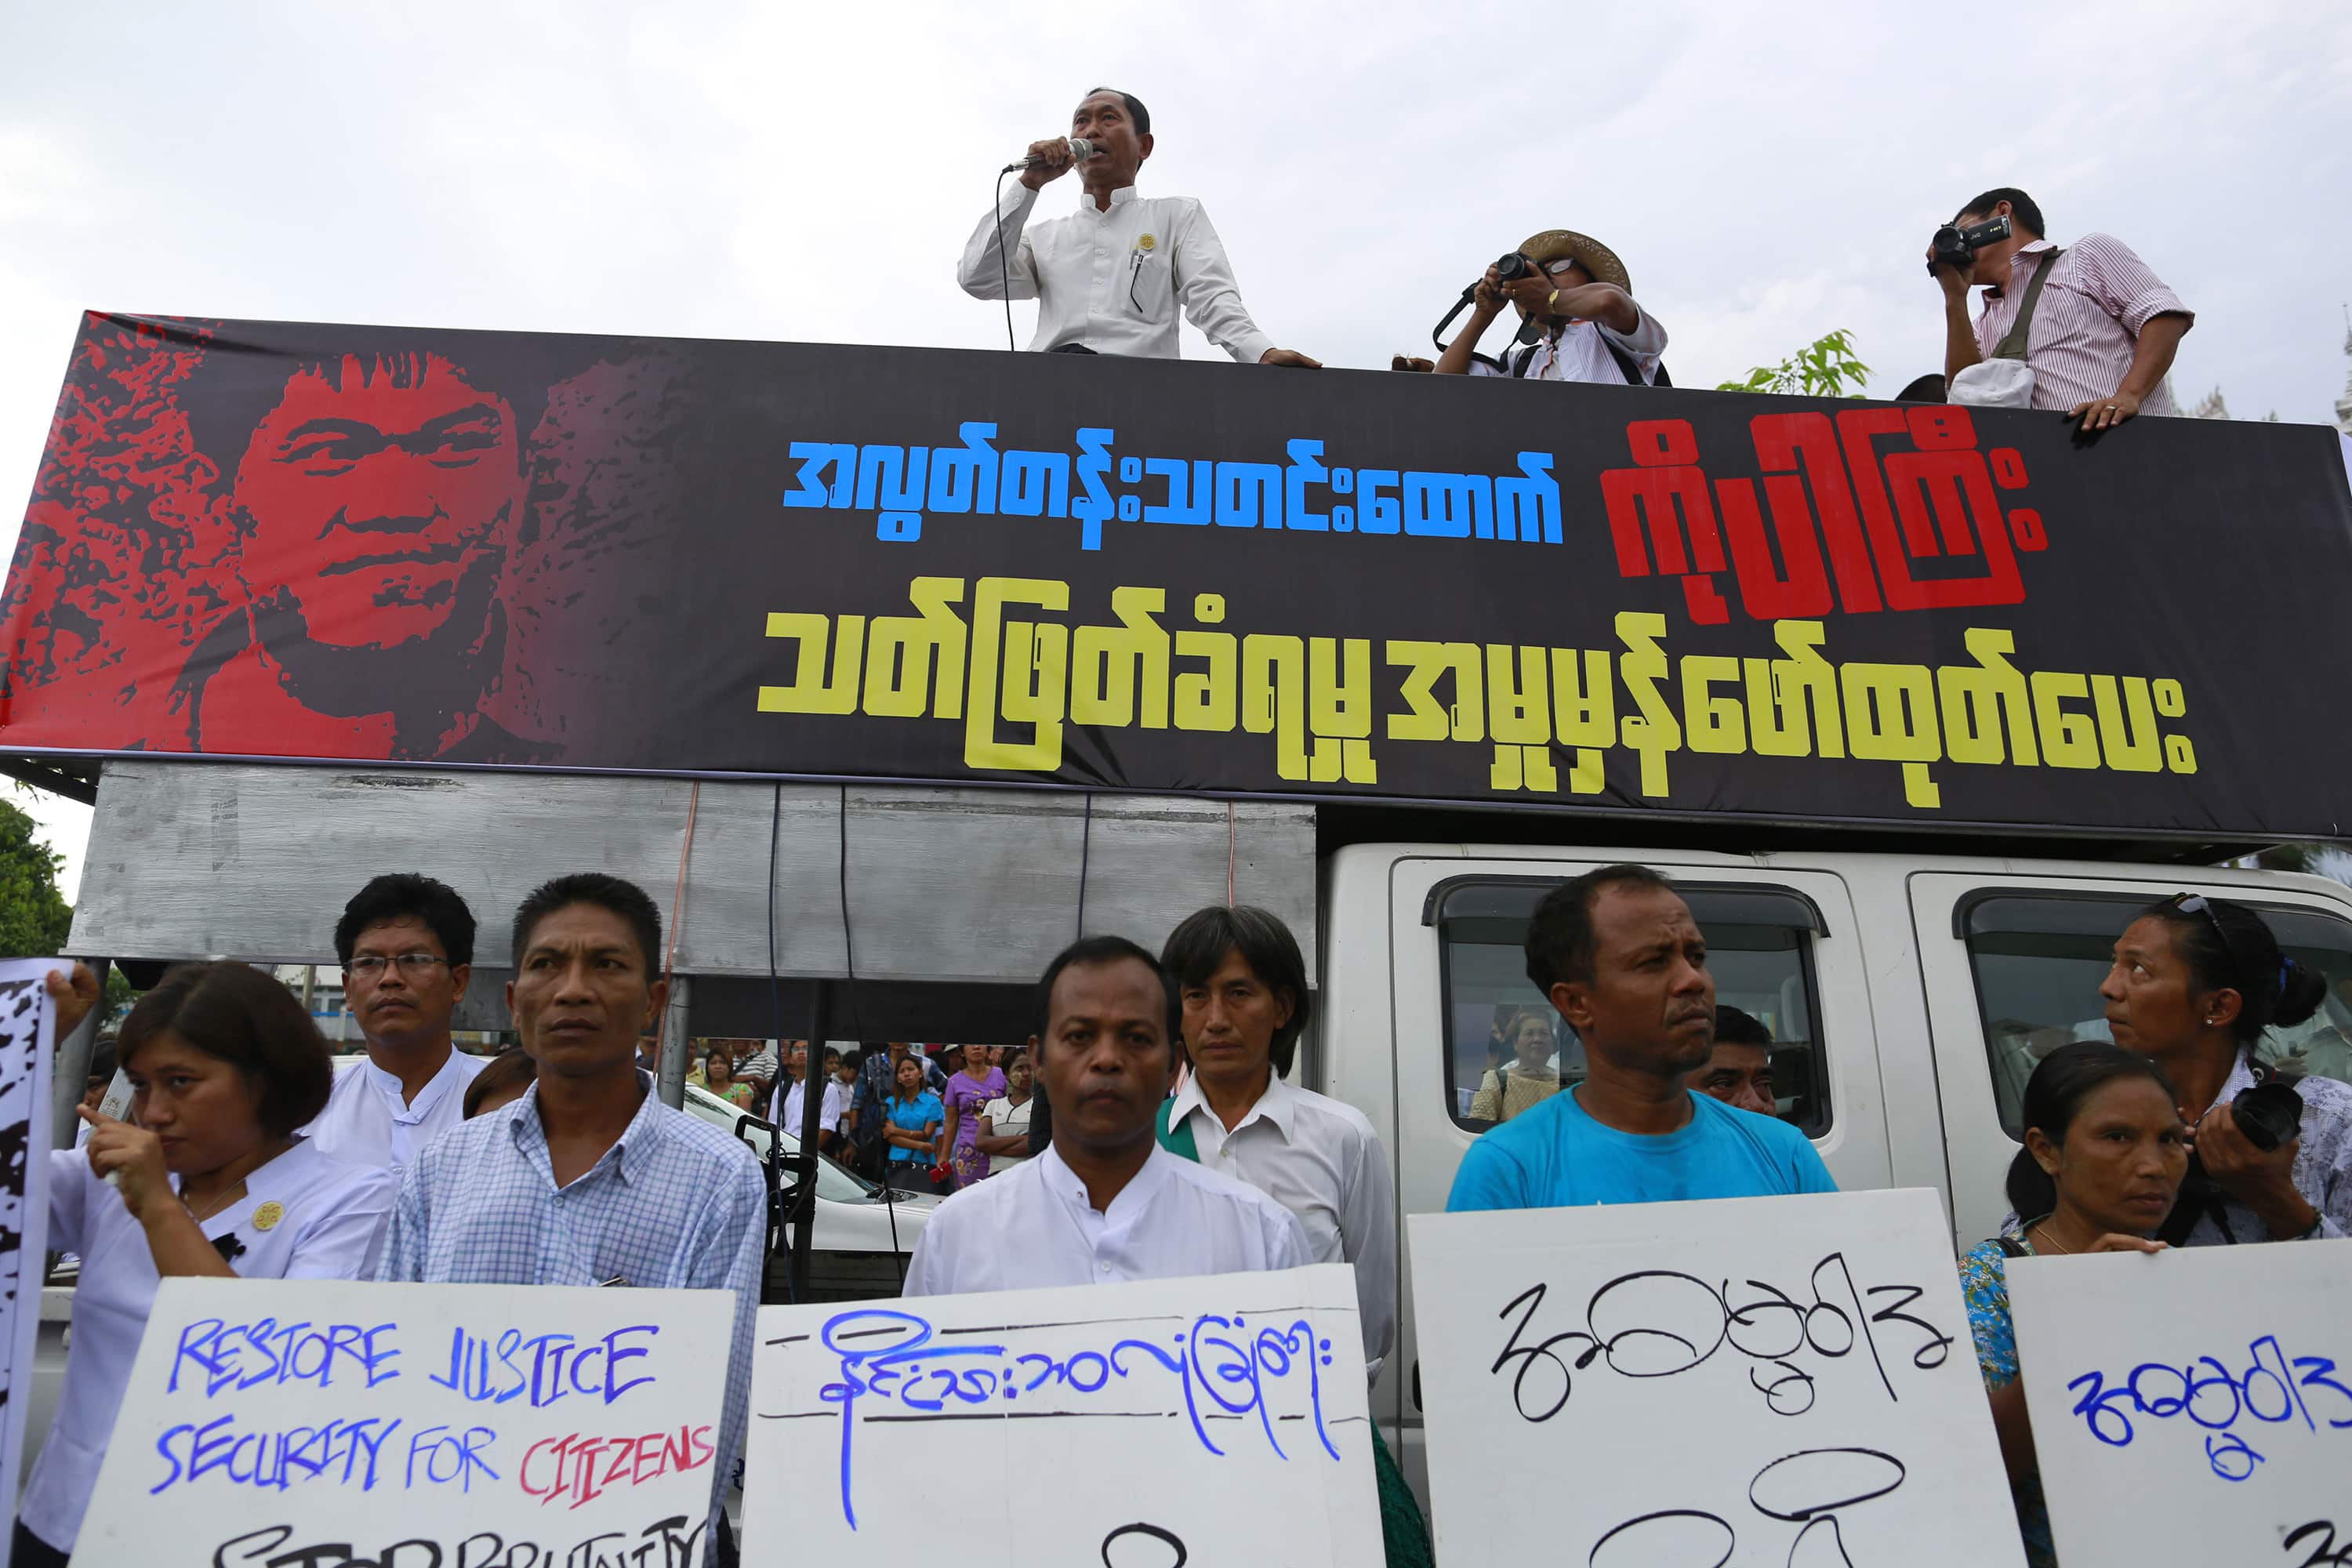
(266, 1216)
(1146, 243)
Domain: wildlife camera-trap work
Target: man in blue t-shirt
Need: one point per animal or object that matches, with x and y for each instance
(1618, 953)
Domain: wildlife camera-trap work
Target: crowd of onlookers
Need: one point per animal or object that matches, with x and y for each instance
(921, 1117)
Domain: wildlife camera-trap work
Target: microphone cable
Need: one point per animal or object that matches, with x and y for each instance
(1004, 268)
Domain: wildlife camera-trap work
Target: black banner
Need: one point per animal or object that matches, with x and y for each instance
(277, 539)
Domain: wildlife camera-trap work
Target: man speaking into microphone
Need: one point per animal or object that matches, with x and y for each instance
(1108, 278)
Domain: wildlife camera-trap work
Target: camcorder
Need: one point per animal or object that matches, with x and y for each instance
(1957, 248)
(2271, 1116)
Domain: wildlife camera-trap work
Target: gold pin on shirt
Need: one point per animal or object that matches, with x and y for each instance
(266, 1216)
(1146, 243)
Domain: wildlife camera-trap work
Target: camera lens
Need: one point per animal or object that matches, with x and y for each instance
(1513, 266)
(2269, 1114)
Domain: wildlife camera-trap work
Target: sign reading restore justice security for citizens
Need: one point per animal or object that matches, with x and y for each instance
(1746, 1382)
(2195, 1407)
(1209, 1422)
(330, 1423)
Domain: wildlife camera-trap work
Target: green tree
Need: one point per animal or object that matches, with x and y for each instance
(33, 916)
(1824, 368)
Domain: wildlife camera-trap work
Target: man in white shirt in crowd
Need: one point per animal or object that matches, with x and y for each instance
(790, 1104)
(2103, 330)
(406, 945)
(1580, 298)
(1108, 279)
(1241, 986)
(1104, 1202)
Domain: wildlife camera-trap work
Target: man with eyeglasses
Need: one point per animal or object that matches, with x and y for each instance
(1581, 300)
(407, 944)
(1108, 279)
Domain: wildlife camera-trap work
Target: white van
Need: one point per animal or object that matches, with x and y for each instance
(1909, 997)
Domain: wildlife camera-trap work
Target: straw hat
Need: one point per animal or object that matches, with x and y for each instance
(1556, 244)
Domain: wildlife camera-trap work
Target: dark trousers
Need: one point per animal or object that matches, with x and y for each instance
(29, 1550)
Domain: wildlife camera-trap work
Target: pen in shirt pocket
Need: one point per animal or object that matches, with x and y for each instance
(615, 1279)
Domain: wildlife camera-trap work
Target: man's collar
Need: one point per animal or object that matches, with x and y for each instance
(1278, 1104)
(389, 1083)
(644, 1131)
(2030, 247)
(1118, 198)
(1068, 1186)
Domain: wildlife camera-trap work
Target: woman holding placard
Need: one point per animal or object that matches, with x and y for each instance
(2104, 1153)
(224, 1063)
(2196, 982)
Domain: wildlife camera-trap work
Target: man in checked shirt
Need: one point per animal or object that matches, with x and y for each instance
(2103, 331)
(588, 1179)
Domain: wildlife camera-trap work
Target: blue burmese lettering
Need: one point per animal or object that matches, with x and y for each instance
(1217, 1368)
(1092, 485)
(2272, 1388)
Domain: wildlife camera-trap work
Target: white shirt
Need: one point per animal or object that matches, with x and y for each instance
(1580, 355)
(785, 1106)
(1320, 1159)
(1109, 279)
(366, 1123)
(328, 1223)
(1006, 1119)
(1035, 1227)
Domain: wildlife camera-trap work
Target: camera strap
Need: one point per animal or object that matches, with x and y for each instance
(2013, 345)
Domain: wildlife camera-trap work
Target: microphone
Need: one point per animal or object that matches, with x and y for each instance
(1080, 151)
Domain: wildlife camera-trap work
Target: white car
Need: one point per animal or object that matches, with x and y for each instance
(864, 1232)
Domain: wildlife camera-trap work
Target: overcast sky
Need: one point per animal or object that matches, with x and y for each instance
(804, 172)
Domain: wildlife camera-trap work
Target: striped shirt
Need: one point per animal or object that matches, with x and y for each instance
(673, 1204)
(2087, 324)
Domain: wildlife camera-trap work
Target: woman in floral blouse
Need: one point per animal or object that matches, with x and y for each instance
(2104, 1153)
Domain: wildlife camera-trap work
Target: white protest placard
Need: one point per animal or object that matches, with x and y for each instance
(25, 1016)
(1218, 1421)
(2195, 1407)
(1751, 1381)
(343, 1424)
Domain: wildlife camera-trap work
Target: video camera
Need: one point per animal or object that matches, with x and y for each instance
(1957, 248)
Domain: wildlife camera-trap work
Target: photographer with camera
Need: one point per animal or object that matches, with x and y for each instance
(2195, 983)
(2087, 328)
(1579, 314)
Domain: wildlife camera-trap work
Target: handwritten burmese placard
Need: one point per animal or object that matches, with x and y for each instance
(332, 1423)
(1218, 1421)
(2195, 1407)
(1749, 1381)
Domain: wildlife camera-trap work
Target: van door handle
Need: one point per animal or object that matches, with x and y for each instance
(1417, 1388)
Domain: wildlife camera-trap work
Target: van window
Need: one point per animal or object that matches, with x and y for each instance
(1508, 1048)
(2039, 958)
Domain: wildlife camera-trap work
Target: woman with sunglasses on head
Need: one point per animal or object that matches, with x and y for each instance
(208, 1178)
(2104, 1153)
(2195, 983)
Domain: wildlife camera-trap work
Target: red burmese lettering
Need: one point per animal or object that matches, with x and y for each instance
(1783, 442)
(1941, 490)
(1665, 496)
